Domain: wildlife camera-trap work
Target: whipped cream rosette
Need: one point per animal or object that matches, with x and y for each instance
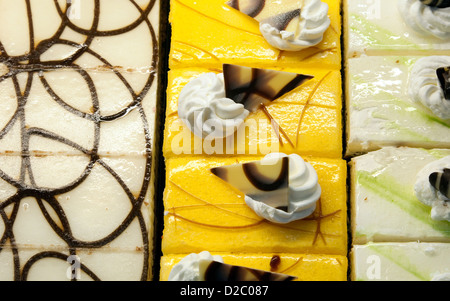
(206, 110)
(432, 188)
(428, 17)
(427, 85)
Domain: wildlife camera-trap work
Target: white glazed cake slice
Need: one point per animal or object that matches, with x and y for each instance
(59, 264)
(78, 90)
(383, 108)
(379, 27)
(384, 203)
(401, 262)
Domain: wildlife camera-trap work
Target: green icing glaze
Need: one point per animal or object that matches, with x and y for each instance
(390, 190)
(377, 36)
(399, 258)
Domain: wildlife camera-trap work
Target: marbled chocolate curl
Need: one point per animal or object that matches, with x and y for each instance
(443, 75)
(440, 181)
(436, 3)
(253, 86)
(217, 271)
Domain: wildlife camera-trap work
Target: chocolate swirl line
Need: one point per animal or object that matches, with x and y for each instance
(31, 64)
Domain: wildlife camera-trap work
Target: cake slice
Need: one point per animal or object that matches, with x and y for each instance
(299, 121)
(305, 267)
(209, 33)
(394, 101)
(414, 261)
(395, 28)
(60, 264)
(196, 219)
(393, 199)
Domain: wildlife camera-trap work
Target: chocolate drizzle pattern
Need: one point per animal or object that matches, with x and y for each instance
(436, 3)
(443, 75)
(34, 68)
(441, 181)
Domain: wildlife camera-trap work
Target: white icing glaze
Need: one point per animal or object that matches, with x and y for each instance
(314, 22)
(304, 191)
(425, 19)
(205, 110)
(424, 85)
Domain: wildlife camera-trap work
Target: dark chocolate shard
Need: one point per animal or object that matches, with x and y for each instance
(253, 86)
(443, 75)
(279, 14)
(440, 181)
(436, 3)
(251, 8)
(264, 182)
(217, 271)
(282, 21)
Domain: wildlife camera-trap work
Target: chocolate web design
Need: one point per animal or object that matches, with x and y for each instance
(33, 69)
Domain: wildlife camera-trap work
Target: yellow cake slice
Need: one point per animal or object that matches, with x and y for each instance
(305, 267)
(307, 120)
(203, 212)
(208, 33)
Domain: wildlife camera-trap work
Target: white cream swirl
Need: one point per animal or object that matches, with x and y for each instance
(205, 110)
(426, 19)
(427, 194)
(424, 85)
(188, 269)
(314, 21)
(304, 191)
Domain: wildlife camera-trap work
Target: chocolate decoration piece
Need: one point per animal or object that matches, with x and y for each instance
(267, 183)
(253, 86)
(443, 75)
(275, 262)
(217, 271)
(436, 3)
(279, 14)
(440, 181)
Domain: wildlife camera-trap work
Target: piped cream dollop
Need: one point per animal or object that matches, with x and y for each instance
(426, 19)
(430, 196)
(188, 269)
(424, 85)
(314, 21)
(304, 192)
(206, 111)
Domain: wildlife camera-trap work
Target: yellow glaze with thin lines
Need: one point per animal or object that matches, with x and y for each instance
(207, 33)
(205, 213)
(306, 267)
(310, 116)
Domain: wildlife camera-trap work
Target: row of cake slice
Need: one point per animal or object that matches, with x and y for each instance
(204, 213)
(398, 131)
